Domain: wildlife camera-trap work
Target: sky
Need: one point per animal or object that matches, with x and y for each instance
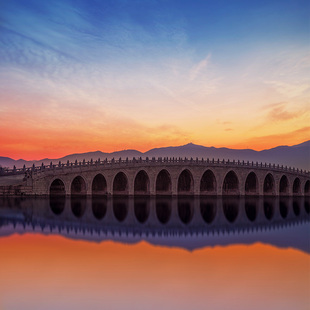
(86, 75)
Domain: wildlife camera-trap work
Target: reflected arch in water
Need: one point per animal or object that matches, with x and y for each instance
(269, 187)
(57, 204)
(78, 206)
(296, 187)
(99, 185)
(99, 206)
(208, 210)
(283, 208)
(296, 206)
(283, 186)
(231, 184)
(307, 206)
(142, 183)
(269, 208)
(78, 186)
(141, 209)
(185, 182)
(185, 210)
(163, 183)
(120, 184)
(120, 208)
(251, 209)
(231, 209)
(208, 183)
(163, 210)
(57, 188)
(307, 188)
(251, 184)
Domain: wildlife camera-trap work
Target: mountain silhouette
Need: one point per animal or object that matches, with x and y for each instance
(297, 156)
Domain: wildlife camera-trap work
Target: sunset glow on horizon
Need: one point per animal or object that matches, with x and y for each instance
(81, 76)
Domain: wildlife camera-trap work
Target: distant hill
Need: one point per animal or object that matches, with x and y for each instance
(297, 156)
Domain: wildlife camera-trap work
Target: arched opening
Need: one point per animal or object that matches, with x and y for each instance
(208, 183)
(231, 184)
(208, 210)
(307, 188)
(251, 209)
(57, 203)
(163, 210)
(99, 207)
(296, 187)
(269, 185)
(78, 206)
(120, 208)
(251, 184)
(269, 209)
(185, 183)
(231, 209)
(163, 183)
(99, 185)
(185, 210)
(141, 209)
(142, 183)
(283, 209)
(57, 188)
(78, 186)
(283, 189)
(120, 184)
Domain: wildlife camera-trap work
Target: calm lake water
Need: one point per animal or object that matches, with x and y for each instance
(147, 253)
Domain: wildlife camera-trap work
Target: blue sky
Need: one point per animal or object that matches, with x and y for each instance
(142, 74)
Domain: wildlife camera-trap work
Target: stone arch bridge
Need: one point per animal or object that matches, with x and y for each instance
(165, 176)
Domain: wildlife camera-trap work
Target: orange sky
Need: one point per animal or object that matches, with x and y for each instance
(53, 271)
(126, 76)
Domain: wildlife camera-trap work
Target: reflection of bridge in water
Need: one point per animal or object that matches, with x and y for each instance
(167, 176)
(101, 218)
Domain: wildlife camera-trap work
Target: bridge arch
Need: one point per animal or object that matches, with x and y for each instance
(142, 183)
(185, 183)
(231, 184)
(120, 184)
(208, 183)
(296, 187)
(99, 185)
(307, 188)
(269, 186)
(251, 184)
(57, 188)
(283, 186)
(163, 183)
(78, 186)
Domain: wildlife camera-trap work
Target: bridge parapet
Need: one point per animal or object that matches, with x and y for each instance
(37, 170)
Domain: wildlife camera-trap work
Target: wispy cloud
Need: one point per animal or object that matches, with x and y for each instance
(202, 65)
(289, 90)
(279, 112)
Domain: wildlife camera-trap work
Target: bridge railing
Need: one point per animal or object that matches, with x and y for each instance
(147, 161)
